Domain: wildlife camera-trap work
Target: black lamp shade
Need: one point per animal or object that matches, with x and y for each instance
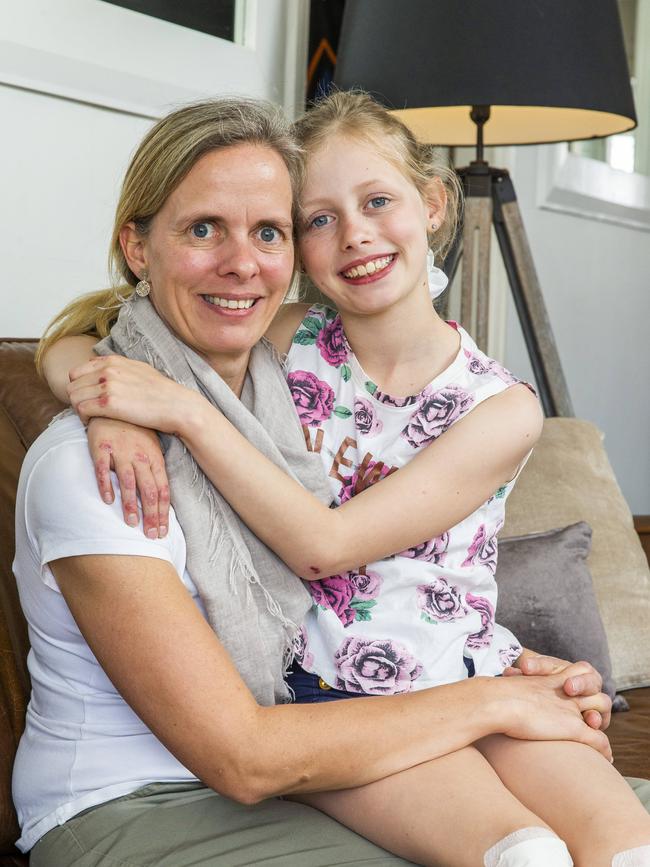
(551, 70)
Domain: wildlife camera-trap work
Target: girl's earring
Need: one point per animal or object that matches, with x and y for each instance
(143, 287)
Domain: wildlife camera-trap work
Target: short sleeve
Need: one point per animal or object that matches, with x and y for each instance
(66, 517)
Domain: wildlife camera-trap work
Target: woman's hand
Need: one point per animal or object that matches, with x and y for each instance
(582, 680)
(131, 391)
(135, 455)
(539, 709)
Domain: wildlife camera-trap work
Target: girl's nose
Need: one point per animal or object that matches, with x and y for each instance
(356, 231)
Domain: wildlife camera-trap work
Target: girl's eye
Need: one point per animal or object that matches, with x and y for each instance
(269, 234)
(202, 230)
(378, 201)
(320, 221)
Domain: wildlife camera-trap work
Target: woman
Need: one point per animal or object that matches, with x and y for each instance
(124, 744)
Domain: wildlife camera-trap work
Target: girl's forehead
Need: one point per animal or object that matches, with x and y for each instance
(351, 159)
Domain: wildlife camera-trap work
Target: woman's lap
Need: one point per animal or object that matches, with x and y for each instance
(174, 825)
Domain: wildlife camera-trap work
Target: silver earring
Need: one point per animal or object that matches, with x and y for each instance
(143, 287)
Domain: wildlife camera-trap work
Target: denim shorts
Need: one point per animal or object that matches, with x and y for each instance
(311, 689)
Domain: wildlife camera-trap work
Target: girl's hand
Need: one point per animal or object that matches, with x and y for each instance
(584, 680)
(128, 390)
(539, 709)
(135, 455)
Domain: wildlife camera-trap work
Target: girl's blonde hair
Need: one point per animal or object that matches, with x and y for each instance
(165, 156)
(356, 114)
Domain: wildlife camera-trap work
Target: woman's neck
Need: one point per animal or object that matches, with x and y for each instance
(232, 369)
(404, 347)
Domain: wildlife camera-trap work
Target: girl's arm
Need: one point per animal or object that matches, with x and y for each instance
(132, 452)
(188, 692)
(443, 484)
(61, 357)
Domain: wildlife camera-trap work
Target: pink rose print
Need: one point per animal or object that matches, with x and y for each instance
(433, 550)
(302, 656)
(335, 593)
(379, 667)
(483, 550)
(437, 412)
(357, 482)
(332, 344)
(483, 637)
(481, 364)
(313, 398)
(365, 420)
(510, 654)
(366, 586)
(440, 602)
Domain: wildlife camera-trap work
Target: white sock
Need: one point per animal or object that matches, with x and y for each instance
(531, 847)
(639, 857)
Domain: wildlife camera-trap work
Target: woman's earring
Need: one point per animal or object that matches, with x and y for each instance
(143, 287)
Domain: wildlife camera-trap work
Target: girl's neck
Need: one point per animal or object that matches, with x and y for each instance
(404, 347)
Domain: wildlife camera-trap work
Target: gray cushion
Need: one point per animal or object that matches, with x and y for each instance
(546, 597)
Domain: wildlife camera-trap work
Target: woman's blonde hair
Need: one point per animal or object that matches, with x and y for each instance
(165, 156)
(356, 114)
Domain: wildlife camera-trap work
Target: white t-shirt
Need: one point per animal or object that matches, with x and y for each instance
(83, 745)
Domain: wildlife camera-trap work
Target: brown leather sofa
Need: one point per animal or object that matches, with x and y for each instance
(26, 406)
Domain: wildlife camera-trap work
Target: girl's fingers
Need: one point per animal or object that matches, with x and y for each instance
(101, 455)
(148, 490)
(126, 479)
(162, 483)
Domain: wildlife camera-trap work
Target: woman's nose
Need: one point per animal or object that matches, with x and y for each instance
(237, 258)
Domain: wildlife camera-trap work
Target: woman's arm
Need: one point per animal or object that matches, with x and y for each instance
(164, 659)
(443, 484)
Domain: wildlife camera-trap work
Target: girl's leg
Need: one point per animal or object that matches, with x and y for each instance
(445, 813)
(577, 792)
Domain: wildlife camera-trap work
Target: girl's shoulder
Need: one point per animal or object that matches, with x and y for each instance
(285, 324)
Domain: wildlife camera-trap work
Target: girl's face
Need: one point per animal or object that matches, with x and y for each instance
(363, 227)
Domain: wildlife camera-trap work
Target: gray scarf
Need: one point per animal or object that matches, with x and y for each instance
(253, 601)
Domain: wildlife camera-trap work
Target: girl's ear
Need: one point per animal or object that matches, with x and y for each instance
(435, 199)
(133, 247)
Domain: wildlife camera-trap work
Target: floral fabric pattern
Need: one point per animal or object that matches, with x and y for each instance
(483, 549)
(432, 551)
(437, 412)
(351, 596)
(426, 615)
(377, 667)
(440, 602)
(313, 398)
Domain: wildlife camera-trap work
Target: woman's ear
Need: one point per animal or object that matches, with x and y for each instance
(435, 199)
(133, 247)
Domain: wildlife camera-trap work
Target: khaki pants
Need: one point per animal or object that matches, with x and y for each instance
(188, 825)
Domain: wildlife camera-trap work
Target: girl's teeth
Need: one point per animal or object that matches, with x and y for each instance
(369, 267)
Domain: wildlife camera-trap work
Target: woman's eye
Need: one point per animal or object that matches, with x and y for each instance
(202, 230)
(269, 234)
(320, 221)
(378, 201)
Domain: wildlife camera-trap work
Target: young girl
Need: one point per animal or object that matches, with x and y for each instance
(382, 385)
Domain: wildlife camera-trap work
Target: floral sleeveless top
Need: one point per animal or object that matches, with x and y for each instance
(425, 616)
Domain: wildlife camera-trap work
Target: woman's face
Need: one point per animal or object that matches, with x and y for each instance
(219, 253)
(363, 228)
